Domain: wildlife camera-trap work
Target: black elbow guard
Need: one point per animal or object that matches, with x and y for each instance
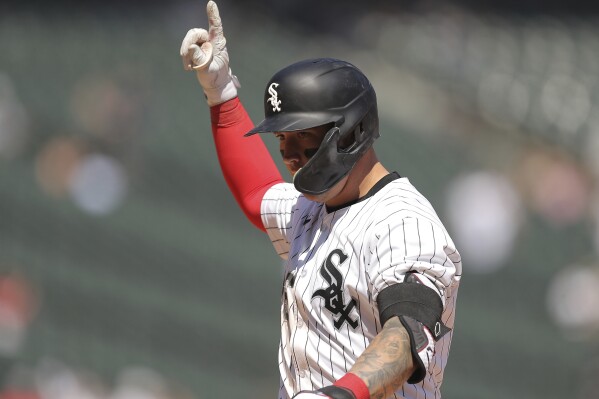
(417, 306)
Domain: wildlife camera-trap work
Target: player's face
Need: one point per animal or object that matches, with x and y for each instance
(298, 147)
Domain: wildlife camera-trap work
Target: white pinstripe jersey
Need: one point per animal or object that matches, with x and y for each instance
(336, 263)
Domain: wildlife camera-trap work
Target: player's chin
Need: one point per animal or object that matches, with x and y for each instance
(333, 196)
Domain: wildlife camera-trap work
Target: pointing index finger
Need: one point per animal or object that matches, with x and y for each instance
(214, 22)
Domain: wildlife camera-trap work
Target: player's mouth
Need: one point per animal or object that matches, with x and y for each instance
(294, 172)
(293, 167)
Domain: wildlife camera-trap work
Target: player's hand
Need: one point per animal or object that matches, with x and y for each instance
(206, 53)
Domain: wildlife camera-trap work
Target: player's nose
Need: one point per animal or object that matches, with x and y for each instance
(290, 151)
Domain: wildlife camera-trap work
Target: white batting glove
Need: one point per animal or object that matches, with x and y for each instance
(206, 53)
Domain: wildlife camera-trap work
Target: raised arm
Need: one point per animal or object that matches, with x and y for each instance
(246, 163)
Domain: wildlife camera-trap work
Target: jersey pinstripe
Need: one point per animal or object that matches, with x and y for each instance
(337, 262)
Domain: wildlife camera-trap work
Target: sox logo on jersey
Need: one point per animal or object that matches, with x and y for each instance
(335, 266)
(333, 294)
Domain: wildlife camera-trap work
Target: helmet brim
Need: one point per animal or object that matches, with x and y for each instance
(293, 122)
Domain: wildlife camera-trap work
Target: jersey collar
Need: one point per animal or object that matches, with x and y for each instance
(375, 189)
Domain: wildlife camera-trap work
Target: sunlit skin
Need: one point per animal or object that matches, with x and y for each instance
(367, 171)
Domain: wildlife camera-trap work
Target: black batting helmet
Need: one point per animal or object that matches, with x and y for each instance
(318, 92)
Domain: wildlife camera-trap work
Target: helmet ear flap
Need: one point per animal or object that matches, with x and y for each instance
(350, 140)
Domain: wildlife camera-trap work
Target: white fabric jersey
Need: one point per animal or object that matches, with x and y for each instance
(337, 263)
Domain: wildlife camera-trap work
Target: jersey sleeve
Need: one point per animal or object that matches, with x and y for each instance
(279, 208)
(247, 166)
(402, 245)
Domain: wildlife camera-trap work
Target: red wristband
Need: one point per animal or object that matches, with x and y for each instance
(355, 384)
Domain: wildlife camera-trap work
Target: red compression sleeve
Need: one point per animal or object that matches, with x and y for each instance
(248, 168)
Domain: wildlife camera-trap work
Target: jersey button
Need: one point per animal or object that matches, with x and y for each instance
(300, 323)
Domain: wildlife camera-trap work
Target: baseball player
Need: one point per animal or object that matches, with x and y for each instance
(371, 274)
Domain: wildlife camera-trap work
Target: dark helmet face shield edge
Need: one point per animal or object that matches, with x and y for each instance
(329, 165)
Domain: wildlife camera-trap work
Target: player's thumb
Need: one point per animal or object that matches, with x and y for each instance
(202, 55)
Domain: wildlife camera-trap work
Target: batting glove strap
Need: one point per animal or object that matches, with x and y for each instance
(335, 392)
(331, 392)
(310, 395)
(220, 94)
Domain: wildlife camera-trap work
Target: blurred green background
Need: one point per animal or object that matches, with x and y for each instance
(127, 271)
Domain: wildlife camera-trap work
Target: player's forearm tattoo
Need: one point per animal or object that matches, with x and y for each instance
(387, 362)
